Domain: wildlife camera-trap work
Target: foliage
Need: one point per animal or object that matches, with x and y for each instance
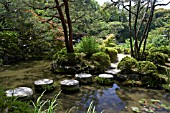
(112, 53)
(12, 105)
(161, 49)
(101, 61)
(127, 64)
(156, 58)
(158, 41)
(146, 67)
(40, 104)
(150, 106)
(88, 45)
(104, 81)
(70, 59)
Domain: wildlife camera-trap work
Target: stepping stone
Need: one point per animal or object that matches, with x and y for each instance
(24, 93)
(69, 86)
(43, 84)
(84, 78)
(112, 71)
(113, 66)
(105, 79)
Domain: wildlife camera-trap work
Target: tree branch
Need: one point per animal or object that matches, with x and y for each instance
(162, 4)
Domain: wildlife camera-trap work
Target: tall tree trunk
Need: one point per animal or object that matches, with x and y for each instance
(63, 22)
(69, 25)
(130, 30)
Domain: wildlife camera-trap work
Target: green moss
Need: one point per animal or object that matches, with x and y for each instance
(146, 67)
(132, 83)
(156, 58)
(112, 53)
(166, 87)
(104, 81)
(127, 64)
(101, 61)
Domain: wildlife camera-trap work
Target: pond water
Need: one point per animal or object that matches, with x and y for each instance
(111, 99)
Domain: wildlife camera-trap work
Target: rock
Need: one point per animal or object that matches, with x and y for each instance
(121, 78)
(84, 78)
(43, 84)
(133, 77)
(112, 71)
(24, 93)
(105, 79)
(106, 76)
(69, 86)
(113, 66)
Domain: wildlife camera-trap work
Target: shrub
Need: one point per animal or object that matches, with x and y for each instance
(70, 59)
(112, 53)
(88, 45)
(162, 49)
(146, 67)
(119, 49)
(101, 61)
(126, 50)
(109, 41)
(127, 64)
(156, 58)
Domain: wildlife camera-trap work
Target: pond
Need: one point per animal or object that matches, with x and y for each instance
(111, 99)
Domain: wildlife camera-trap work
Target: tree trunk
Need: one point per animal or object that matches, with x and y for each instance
(130, 30)
(69, 25)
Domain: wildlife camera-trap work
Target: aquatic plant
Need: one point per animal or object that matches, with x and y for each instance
(151, 106)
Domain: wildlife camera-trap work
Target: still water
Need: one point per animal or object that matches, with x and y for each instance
(111, 99)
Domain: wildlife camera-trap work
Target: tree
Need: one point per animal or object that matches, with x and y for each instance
(52, 10)
(140, 18)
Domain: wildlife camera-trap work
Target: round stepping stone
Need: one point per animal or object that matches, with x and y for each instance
(69, 86)
(84, 78)
(20, 92)
(43, 84)
(105, 79)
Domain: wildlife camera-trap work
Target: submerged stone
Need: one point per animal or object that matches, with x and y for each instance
(84, 78)
(69, 86)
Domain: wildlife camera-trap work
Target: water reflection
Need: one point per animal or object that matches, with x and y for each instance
(104, 98)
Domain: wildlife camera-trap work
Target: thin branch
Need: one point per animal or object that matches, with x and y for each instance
(162, 4)
(78, 18)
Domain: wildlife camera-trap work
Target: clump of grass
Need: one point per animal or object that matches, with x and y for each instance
(40, 104)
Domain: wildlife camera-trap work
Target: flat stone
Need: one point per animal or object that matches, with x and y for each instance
(43, 82)
(113, 66)
(19, 92)
(112, 71)
(83, 75)
(105, 76)
(84, 78)
(69, 82)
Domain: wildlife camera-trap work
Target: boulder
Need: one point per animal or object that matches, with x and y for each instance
(84, 78)
(24, 93)
(43, 84)
(69, 86)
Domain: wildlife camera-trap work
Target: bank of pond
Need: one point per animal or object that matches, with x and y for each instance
(108, 92)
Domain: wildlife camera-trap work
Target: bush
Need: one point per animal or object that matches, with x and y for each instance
(88, 45)
(156, 58)
(162, 49)
(109, 41)
(127, 64)
(119, 49)
(101, 61)
(112, 53)
(70, 59)
(146, 67)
